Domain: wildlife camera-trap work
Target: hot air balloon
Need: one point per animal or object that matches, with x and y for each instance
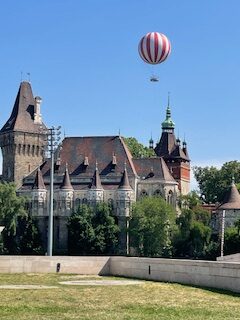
(154, 48)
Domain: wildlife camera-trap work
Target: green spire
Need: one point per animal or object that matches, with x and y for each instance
(168, 123)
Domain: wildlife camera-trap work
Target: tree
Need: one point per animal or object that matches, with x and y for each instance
(214, 183)
(92, 230)
(137, 149)
(232, 239)
(151, 227)
(190, 200)
(20, 234)
(194, 234)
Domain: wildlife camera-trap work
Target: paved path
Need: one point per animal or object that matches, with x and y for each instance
(101, 282)
(26, 286)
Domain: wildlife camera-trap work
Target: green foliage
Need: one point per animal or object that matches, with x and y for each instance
(194, 233)
(232, 239)
(190, 200)
(92, 230)
(20, 234)
(11, 207)
(137, 149)
(213, 183)
(151, 227)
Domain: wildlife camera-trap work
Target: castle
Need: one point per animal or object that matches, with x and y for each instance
(86, 169)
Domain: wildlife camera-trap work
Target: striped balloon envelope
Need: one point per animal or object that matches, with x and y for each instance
(154, 48)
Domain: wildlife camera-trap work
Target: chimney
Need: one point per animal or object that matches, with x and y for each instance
(37, 113)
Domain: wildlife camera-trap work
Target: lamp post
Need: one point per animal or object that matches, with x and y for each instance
(222, 233)
(53, 141)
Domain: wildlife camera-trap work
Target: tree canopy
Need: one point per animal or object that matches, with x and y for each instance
(92, 230)
(213, 182)
(137, 149)
(20, 234)
(151, 227)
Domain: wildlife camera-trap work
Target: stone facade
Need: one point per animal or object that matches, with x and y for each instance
(86, 170)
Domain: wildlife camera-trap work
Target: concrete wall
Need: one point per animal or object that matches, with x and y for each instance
(230, 258)
(222, 275)
(42, 264)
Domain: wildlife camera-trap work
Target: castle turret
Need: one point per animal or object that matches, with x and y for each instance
(96, 190)
(23, 137)
(66, 191)
(39, 192)
(124, 200)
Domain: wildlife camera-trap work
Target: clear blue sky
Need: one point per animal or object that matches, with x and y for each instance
(84, 63)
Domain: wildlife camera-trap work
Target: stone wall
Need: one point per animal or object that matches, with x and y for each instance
(42, 264)
(222, 275)
(215, 274)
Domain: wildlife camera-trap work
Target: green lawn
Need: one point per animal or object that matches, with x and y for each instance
(149, 300)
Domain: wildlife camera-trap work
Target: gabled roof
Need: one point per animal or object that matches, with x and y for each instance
(39, 183)
(22, 116)
(232, 199)
(66, 184)
(153, 168)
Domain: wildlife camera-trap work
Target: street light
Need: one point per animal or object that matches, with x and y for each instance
(53, 142)
(222, 232)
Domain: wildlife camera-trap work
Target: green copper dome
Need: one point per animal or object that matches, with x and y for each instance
(168, 123)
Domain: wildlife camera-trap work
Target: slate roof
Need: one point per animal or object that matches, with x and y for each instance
(66, 184)
(153, 168)
(96, 181)
(124, 184)
(22, 116)
(232, 199)
(74, 151)
(39, 183)
(166, 144)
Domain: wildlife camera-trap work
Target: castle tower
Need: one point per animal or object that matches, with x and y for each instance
(175, 156)
(23, 137)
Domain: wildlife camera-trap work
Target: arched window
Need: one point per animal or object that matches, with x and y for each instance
(170, 197)
(144, 193)
(110, 203)
(78, 202)
(84, 201)
(157, 193)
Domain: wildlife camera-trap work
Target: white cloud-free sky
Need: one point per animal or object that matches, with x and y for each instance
(84, 63)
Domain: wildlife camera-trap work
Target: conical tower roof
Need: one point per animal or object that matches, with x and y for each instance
(66, 184)
(39, 183)
(96, 181)
(22, 116)
(124, 184)
(232, 199)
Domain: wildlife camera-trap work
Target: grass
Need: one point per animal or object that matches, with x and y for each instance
(150, 300)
